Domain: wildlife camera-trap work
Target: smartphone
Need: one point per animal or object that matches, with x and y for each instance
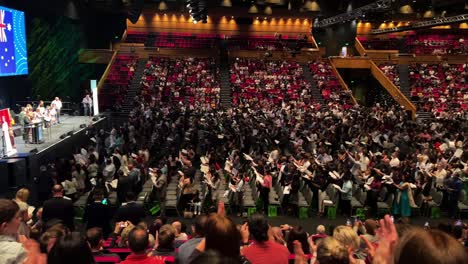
(348, 222)
(392, 218)
(426, 225)
(123, 225)
(104, 201)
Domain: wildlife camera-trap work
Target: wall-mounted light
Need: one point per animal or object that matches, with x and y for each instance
(311, 6)
(226, 3)
(406, 9)
(253, 9)
(162, 6)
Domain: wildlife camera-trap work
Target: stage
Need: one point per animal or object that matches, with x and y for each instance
(52, 135)
(60, 141)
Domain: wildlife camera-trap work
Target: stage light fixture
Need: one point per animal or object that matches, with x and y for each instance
(198, 10)
(378, 6)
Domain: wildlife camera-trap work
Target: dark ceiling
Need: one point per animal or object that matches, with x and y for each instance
(239, 8)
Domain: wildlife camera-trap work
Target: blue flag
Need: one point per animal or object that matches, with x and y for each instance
(7, 43)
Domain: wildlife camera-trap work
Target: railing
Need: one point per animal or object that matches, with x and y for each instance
(392, 89)
(342, 82)
(67, 106)
(312, 39)
(106, 72)
(358, 45)
(350, 62)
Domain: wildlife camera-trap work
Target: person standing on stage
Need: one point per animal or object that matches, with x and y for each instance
(24, 121)
(87, 104)
(57, 103)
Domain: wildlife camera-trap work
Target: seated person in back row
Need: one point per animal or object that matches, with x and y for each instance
(95, 240)
(131, 211)
(138, 242)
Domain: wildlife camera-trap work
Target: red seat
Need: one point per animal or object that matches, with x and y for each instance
(106, 259)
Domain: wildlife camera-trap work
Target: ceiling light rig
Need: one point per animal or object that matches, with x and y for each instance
(423, 24)
(198, 11)
(378, 6)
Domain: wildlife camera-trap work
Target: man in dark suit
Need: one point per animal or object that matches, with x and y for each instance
(97, 213)
(124, 186)
(24, 121)
(59, 208)
(131, 211)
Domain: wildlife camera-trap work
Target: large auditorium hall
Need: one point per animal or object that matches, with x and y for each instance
(234, 131)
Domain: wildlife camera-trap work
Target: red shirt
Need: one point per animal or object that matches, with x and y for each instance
(268, 252)
(141, 259)
(267, 181)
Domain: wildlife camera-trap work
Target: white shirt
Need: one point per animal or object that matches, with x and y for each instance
(395, 162)
(57, 104)
(11, 252)
(87, 100)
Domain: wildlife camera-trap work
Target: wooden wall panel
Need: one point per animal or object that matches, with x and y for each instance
(154, 22)
(351, 62)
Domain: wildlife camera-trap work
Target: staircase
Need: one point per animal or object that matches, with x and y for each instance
(225, 92)
(315, 91)
(423, 116)
(394, 91)
(403, 72)
(134, 87)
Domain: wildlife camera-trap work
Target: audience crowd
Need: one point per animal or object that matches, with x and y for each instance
(420, 44)
(254, 81)
(327, 82)
(189, 80)
(440, 88)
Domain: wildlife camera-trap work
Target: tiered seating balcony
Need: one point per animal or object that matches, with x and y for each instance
(269, 82)
(193, 80)
(390, 70)
(118, 79)
(379, 44)
(437, 44)
(174, 40)
(327, 82)
(439, 87)
(271, 43)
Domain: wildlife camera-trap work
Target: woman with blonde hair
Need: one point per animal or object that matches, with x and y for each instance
(415, 246)
(21, 199)
(349, 239)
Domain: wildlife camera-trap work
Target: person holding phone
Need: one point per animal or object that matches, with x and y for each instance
(98, 213)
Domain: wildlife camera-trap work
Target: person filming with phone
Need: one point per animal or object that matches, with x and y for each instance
(98, 213)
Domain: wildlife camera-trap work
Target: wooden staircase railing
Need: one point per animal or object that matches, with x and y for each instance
(392, 89)
(106, 72)
(342, 82)
(358, 45)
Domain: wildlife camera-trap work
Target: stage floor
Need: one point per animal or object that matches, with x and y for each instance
(52, 135)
